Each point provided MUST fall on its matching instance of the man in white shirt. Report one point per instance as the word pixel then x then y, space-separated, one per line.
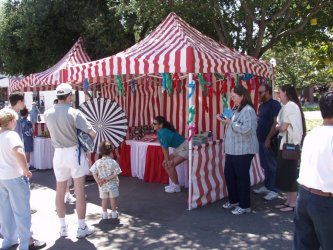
pixel 314 209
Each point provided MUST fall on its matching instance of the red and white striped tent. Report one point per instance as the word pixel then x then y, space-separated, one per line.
pixel 177 48
pixel 174 47
pixel 15 83
pixel 50 78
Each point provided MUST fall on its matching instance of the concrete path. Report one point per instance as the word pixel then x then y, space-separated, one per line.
pixel 153 219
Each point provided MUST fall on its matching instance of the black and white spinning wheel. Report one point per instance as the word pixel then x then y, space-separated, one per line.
pixel 107 118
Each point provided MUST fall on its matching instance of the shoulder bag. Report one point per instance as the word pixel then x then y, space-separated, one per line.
pixel 290 151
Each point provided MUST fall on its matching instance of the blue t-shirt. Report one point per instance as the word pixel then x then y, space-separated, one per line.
pixel 169 139
pixel 266 113
pixel 27 128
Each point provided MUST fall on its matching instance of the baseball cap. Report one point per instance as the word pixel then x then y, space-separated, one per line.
pixel 64 89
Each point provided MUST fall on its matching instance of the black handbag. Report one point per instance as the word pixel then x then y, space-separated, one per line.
pixel 291 151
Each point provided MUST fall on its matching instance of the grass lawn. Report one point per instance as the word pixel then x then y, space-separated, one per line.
pixel 310 108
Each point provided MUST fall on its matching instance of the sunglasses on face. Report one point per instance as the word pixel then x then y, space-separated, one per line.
pixel 155 123
pixel 260 92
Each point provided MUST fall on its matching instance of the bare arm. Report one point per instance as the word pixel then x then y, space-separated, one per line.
pixel 22 161
pixel 109 178
pixel 283 127
pixel 98 180
pixel 92 133
pixel 271 133
pixel 166 156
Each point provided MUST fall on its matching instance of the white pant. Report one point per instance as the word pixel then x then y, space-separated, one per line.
pixel 66 163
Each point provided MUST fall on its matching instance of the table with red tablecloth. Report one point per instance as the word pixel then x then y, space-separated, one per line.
pixel 144 161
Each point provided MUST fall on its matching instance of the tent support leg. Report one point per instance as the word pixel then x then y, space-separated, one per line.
pixel 190 102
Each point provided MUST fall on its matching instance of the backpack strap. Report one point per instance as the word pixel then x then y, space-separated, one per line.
pixel 80 146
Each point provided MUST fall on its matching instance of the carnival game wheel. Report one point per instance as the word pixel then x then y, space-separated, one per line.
pixel 107 118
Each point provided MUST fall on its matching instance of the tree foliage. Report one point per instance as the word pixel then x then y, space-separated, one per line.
pixel 250 26
pixel 302 65
pixel 35 34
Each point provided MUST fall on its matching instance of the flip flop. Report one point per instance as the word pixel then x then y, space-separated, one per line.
pixel 281 206
pixel 287 209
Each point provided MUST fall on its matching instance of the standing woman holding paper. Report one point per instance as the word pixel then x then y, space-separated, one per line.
pixel 240 145
pixel 291 127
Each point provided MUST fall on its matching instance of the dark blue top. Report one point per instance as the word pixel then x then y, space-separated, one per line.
pixel 169 139
pixel 266 113
pixel 27 128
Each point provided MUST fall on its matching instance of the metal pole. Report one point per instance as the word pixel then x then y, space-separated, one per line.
pixel 190 102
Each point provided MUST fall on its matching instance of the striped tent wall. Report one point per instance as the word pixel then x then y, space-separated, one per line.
pixel 209 184
pixel 148 101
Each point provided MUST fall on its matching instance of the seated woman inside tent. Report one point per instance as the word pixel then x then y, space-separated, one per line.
pixel 170 138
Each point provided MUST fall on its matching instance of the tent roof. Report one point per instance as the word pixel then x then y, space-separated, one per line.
pixel 50 78
pixel 173 47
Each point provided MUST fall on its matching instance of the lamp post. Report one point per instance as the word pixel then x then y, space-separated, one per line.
pixel 273 62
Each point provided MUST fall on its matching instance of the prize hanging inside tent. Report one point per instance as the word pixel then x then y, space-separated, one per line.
pixel 108 120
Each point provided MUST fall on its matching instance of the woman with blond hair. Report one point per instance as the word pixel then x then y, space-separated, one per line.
pixel 15 216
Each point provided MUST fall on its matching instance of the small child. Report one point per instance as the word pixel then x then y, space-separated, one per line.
pixel 28 132
pixel 105 172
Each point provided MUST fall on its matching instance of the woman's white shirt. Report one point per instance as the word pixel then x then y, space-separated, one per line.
pixel 291 114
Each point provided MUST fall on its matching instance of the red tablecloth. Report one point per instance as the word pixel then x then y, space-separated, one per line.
pixel 154 172
pixel 125 159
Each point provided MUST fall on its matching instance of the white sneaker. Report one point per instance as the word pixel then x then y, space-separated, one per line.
pixel 229 205
pixel 167 187
pixel 271 195
pixel 104 215
pixel 173 189
pixel 63 231
pixel 262 190
pixel 69 198
pixel 114 215
pixel 83 232
pixel 239 210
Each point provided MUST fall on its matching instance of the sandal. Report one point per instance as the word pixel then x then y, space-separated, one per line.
pixel 281 206
pixel 287 209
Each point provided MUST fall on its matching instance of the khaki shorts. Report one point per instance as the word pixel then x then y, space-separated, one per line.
pixel 111 194
pixel 182 150
pixel 66 163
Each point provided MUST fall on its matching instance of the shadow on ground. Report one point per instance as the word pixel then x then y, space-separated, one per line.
pixel 152 219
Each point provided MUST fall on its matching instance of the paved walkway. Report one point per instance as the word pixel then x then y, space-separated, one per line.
pixel 153 219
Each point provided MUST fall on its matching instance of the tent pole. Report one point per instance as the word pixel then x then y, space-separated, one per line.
pixel 190 102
